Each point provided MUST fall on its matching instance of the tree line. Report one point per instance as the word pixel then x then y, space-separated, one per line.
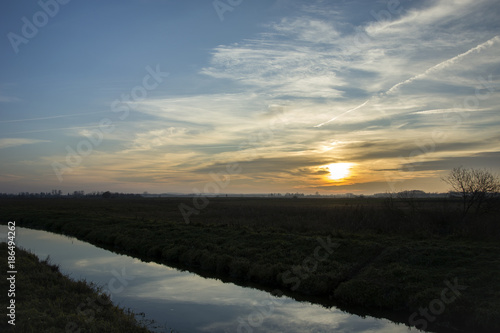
pixel 74 194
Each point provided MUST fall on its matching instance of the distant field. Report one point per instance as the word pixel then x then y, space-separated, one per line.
pixel 374 254
pixel 410 218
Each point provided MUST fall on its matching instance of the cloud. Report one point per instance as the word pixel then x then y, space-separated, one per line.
pixel 272 165
pixel 286 61
pixel 305 29
pixel 5 178
pixel 488 160
pixel 287 73
pixel 14 142
pixel 446 63
pixel 160 137
pixel 435 13
pixel 8 99
pixel 312 89
pixel 294 60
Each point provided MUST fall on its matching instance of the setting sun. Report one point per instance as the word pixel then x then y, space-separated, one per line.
pixel 339 170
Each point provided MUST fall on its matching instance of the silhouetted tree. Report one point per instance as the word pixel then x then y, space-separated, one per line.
pixel 478 188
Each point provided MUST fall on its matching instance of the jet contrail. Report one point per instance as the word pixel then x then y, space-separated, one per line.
pixel 51 117
pixel 340 115
pixel 430 70
pixel 445 63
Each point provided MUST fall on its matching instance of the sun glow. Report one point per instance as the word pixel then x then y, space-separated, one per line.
pixel 339 170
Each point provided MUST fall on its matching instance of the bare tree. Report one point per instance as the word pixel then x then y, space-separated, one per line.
pixel 477 187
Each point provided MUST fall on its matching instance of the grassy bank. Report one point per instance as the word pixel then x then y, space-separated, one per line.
pixel 48 301
pixel 377 255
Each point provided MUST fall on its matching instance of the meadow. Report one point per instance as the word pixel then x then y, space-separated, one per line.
pixel 365 255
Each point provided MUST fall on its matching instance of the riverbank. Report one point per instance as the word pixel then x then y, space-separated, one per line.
pixel 48 301
pixel 353 253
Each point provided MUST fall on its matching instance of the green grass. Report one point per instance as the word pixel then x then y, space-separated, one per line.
pixel 390 257
pixel 48 301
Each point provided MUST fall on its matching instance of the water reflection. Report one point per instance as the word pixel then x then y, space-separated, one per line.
pixel 188 302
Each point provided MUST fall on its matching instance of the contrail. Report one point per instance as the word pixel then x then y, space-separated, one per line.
pixel 445 63
pixel 439 66
pixel 52 117
pixel 340 115
pixel 53 129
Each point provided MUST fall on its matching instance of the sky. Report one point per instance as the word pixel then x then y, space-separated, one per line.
pixel 240 96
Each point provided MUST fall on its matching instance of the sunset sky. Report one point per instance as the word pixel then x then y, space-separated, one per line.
pixel 251 96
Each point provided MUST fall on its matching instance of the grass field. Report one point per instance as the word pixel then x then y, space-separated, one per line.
pixel 399 257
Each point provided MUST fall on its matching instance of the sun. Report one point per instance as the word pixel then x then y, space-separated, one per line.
pixel 339 170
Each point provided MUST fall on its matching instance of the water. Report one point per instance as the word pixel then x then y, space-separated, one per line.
pixel 185 301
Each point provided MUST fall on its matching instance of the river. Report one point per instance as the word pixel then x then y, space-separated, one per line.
pixel 187 302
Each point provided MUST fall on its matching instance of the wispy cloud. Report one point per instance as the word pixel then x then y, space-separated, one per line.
pixel 8 99
pixel 389 51
pixel 446 63
pixel 342 87
pixel 310 79
pixel 14 142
